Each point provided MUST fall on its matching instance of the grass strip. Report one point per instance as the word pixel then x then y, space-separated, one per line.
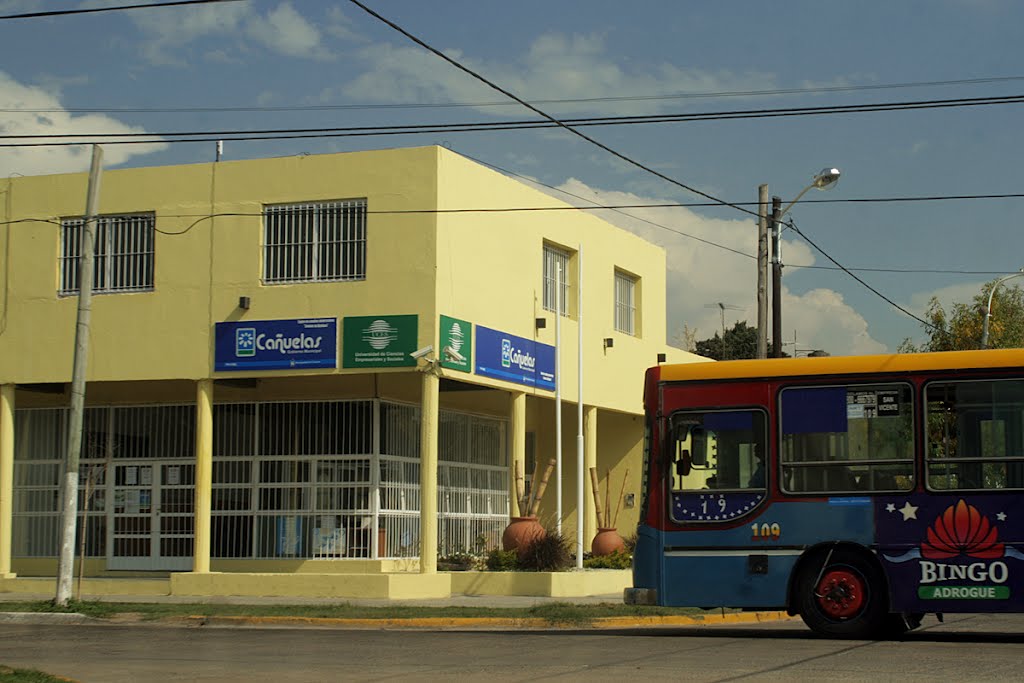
pixel 554 613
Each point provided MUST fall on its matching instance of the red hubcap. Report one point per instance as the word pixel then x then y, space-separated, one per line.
pixel 841 593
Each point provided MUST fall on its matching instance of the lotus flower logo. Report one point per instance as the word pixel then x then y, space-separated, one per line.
pixel 962 530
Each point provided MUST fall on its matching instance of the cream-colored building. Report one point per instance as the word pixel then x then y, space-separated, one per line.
pixel 254 406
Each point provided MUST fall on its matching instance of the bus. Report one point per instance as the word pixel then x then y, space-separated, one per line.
pixel 860 492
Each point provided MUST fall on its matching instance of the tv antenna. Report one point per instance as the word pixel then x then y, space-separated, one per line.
pixel 723 307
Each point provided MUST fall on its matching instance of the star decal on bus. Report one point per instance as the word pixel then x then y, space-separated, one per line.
pixel 961 530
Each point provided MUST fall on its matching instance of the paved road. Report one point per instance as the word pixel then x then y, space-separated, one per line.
pixel 965 648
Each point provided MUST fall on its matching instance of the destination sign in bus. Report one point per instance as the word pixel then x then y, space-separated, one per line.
pixel 859 492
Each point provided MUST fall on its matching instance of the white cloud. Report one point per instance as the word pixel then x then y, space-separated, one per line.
pixel 49 117
pixel 285 31
pixel 700 275
pixel 282 30
pixel 963 292
pixel 555 66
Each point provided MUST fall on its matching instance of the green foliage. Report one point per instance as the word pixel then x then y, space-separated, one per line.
pixel 961 327
pixel 738 342
pixel 550 553
pixel 502 560
pixel 617 560
pixel 460 562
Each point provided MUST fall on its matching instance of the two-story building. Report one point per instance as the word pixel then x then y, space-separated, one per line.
pixel 328 365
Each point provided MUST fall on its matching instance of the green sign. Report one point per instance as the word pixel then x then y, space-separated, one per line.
pixel 456 344
pixel 379 341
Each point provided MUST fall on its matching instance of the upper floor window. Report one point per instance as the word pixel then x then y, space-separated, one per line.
pixel 625 303
pixel 319 242
pixel 556 280
pixel 123 252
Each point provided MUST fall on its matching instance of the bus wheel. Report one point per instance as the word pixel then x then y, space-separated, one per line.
pixel 844 599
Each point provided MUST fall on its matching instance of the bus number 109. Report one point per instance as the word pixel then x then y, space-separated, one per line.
pixel 766 532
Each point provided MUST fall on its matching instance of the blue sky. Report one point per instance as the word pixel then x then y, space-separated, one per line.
pixel 295 59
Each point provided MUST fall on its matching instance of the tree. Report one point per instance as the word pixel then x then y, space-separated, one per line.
pixel 961 327
pixel 738 342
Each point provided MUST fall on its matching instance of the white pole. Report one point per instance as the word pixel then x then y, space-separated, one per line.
pixel 558 397
pixel 580 511
pixel 76 412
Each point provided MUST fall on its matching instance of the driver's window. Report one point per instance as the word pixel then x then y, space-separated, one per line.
pixel 720 450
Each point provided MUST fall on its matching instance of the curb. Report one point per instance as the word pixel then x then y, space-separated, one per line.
pixel 486 622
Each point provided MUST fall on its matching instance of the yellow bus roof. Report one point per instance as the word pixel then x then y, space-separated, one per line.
pixel 843 365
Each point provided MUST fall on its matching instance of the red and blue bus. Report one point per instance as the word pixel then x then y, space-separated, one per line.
pixel 859 492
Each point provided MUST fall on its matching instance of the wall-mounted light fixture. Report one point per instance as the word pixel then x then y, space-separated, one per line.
pixel 243 303
pixel 541 323
pixel 662 357
pixel 609 342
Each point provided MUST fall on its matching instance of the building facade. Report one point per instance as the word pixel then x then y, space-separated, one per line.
pixel 332 363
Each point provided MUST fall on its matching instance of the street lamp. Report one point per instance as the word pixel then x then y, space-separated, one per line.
pixel 988 308
pixel 822 181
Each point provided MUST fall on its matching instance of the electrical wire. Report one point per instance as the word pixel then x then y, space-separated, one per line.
pixel 481 105
pixel 535 110
pixel 75 139
pixel 792 224
pixel 118 8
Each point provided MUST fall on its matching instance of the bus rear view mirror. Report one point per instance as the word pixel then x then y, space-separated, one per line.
pixel 698 447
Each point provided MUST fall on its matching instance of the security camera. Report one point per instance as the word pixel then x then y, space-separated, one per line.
pixel 451 354
pixel 420 353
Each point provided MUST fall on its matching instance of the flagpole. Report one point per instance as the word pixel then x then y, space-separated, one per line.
pixel 580 508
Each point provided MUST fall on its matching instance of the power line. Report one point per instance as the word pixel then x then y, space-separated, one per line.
pixel 797 230
pixel 202 217
pixel 480 105
pixel 539 112
pixel 66 139
pixel 64 12
pixel 616 209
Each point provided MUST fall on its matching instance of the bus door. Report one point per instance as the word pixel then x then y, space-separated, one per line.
pixel 718 486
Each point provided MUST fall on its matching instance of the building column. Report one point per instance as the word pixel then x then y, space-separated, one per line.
pixel 6 477
pixel 428 472
pixel 204 476
pixel 517 425
pixel 589 460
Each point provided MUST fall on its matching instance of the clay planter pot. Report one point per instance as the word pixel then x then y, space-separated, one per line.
pixel 607 542
pixel 520 533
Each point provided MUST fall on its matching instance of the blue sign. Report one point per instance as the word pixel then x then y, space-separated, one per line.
pixel 514 359
pixel 276 344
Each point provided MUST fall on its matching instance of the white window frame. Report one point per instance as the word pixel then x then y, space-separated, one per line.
pixel 124 251
pixel 625 302
pixel 553 257
pixel 331 247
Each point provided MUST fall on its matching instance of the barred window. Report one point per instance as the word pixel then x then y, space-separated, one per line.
pixel 123 250
pixel 556 269
pixel 321 242
pixel 625 303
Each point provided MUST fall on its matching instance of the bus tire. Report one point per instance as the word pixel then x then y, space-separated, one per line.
pixel 844 599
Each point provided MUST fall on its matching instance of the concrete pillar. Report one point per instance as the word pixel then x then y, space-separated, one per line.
pixel 517 426
pixel 428 473
pixel 589 460
pixel 204 475
pixel 6 477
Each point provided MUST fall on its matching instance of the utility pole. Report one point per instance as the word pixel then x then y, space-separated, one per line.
pixel 776 278
pixel 65 565
pixel 762 271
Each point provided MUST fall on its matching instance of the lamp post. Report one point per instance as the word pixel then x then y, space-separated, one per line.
pixel 988 308
pixel 823 180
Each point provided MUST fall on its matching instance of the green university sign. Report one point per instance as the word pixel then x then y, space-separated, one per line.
pixel 379 341
pixel 456 344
